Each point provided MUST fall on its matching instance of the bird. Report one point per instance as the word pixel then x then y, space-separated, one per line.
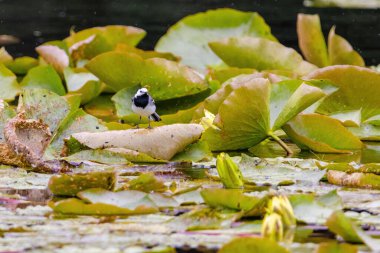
pixel 144 106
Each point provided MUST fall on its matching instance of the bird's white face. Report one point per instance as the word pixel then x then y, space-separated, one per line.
pixel 141 91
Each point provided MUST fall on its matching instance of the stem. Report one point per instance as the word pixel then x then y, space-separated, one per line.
pixel 289 151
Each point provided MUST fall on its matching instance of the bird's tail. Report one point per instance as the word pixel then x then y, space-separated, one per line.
pixel 155 117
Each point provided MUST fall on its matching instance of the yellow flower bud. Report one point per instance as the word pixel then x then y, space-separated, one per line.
pixel 282 206
pixel 272 227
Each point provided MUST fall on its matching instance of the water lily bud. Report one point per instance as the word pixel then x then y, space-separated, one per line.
pixel 229 172
pixel 282 206
pixel 272 227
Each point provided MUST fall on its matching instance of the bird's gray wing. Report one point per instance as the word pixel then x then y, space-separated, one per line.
pixel 151 101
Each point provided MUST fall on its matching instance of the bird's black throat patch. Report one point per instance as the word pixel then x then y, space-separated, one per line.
pixel 141 101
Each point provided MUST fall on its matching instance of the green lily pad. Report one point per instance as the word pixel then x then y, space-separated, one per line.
pixel 22 65
pixel 136 202
pixel 71 184
pixel 145 54
pixel 311 40
pixel 231 198
pixel 163 78
pixel 44 77
pixel 9 86
pixel 97 40
pixel 102 107
pixel 321 134
pixel 223 74
pixel 195 152
pixel 80 81
pixel 260 54
pixel 79 121
pixel 252 245
pixel 189 37
pixel 358 90
pixel 341 52
pixel 334 247
pixel 276 173
pixel 147 182
pixel 246 115
pixel 315 210
pixel 341 225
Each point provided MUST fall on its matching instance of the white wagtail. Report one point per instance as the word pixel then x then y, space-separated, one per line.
pixel 143 105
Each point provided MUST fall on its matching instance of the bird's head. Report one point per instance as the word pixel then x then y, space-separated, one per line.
pixel 141 92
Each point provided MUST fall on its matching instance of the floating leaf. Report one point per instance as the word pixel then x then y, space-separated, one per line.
pixel 44 77
pixel 103 202
pixel 361 180
pixel 321 134
pixel 278 173
pixel 97 40
pixel 195 152
pixel 334 247
pixel 341 225
pixel 55 56
pixel 160 142
pixel 246 116
pixel 102 107
pixel 145 54
pixel 80 81
pixel 189 37
pixel 316 210
pixel 341 52
pixel 348 118
pixel 358 90
pixel 22 65
pixel 366 132
pixel 260 54
pixel 163 78
pixel 8 83
pixel 71 184
pixel 147 182
pixel 252 245
pixel 311 40
pixel 231 198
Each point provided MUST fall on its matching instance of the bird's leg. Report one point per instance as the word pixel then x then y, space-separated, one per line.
pixel 149 127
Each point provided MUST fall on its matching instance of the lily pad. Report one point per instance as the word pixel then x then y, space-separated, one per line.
pixel 315 210
pixel 189 37
pixel 97 40
pixel 341 225
pixel 358 90
pixel 321 134
pixel 80 81
pixel 71 184
pixel 245 114
pixel 334 247
pixel 252 245
pixel 5 57
pixel 164 79
pixel 147 182
pixel 55 56
pixel 260 54
pixel 44 77
pixel 22 65
pixel 195 152
pixel 9 84
pixel 145 54
pixel 341 52
pixel 160 142
pixel 232 198
pixel 361 180
pixel 311 40
pixel 102 107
